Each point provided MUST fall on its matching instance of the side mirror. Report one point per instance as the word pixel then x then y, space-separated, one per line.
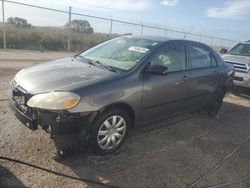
pixel 157 69
pixel 223 51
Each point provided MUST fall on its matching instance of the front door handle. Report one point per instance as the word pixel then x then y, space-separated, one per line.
pixel 215 72
pixel 184 79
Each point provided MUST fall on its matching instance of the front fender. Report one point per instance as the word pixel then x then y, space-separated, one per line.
pixel 98 96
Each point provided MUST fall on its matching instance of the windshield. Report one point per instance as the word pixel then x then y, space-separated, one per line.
pixel 240 49
pixel 120 53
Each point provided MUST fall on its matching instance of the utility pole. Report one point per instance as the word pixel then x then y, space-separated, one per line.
pixel 69 29
pixel 4 36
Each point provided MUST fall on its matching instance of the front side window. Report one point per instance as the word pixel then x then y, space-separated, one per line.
pixel 240 49
pixel 172 57
pixel 122 53
pixel 200 57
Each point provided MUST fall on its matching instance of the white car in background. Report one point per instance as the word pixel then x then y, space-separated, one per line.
pixel 239 56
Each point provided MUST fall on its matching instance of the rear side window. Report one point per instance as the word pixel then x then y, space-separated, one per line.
pixel 200 57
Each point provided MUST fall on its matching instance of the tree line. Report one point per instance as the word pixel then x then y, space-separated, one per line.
pixel 20 34
pixel 80 26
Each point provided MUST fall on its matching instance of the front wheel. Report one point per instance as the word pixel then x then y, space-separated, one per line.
pixel 109 131
pixel 215 103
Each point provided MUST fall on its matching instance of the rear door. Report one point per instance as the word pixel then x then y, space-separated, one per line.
pixel 203 75
pixel 165 95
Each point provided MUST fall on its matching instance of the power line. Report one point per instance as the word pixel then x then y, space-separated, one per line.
pixel 58 173
pixel 219 163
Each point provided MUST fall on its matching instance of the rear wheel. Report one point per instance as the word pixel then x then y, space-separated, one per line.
pixel 109 131
pixel 215 103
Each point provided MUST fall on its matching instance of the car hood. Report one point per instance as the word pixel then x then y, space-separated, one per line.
pixel 61 74
pixel 236 58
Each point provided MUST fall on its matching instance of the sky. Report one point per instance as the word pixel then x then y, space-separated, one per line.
pixel 221 18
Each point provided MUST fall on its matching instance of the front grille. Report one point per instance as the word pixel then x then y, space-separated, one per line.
pixel 21 97
pixel 240 67
pixel 238 78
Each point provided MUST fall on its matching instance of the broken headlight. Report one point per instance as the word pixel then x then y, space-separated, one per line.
pixel 54 100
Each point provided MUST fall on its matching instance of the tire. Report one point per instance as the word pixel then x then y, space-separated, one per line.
pixel 109 131
pixel 215 103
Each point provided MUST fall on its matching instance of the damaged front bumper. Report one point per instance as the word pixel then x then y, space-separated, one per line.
pixel 53 122
pixel 22 115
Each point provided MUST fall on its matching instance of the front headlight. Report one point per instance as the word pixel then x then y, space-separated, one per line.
pixel 231 73
pixel 54 100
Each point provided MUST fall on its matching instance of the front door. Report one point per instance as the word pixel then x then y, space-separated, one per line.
pixel 166 95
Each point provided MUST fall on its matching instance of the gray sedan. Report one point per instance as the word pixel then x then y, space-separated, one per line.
pixel 127 82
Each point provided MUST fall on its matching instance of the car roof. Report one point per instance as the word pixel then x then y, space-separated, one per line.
pixel 246 42
pixel 149 37
pixel 160 39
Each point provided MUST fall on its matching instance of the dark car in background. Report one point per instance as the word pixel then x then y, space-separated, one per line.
pixel 239 57
pixel 121 84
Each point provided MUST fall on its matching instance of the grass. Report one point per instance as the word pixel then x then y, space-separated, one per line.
pixel 53 39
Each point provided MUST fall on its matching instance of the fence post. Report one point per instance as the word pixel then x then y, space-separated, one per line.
pixel 69 29
pixel 166 31
pixel 111 25
pixel 141 28
pixel 4 36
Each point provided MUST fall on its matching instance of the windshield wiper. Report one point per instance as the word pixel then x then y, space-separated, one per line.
pixel 86 60
pixel 99 64
pixel 111 68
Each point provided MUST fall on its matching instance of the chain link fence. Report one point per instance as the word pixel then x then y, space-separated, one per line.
pixel 63 38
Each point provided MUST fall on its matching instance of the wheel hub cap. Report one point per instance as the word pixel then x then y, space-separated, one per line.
pixel 111 132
